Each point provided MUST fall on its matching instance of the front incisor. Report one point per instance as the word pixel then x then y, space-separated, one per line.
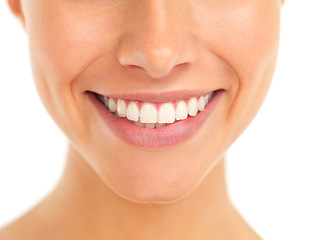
pixel 148 113
pixel 166 113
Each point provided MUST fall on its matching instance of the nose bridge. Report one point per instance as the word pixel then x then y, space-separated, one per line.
pixel 156 13
pixel 154 41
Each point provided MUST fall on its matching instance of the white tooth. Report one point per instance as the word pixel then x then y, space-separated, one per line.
pixel 166 113
pixel 148 113
pixel 193 106
pixel 208 97
pixel 181 110
pixel 159 125
pixel 112 105
pixel 133 111
pixel 138 124
pixel 201 103
pixel 121 108
pixel 150 125
pixel 106 101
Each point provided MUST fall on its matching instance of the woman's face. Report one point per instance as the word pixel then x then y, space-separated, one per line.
pixel 157 52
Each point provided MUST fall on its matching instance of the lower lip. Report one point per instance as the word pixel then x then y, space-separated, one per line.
pixel 156 138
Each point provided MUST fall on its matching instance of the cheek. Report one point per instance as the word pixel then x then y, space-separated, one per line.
pixel 254 59
pixel 64 40
pixel 253 42
pixel 247 39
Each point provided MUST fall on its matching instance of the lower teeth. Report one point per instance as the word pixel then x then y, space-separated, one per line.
pixel 147 125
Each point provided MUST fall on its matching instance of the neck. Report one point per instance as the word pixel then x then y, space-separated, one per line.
pixel 87 204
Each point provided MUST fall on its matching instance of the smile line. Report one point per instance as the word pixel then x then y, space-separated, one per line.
pixel 155 115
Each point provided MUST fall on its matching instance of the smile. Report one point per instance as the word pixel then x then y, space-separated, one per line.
pixel 155 115
pixel 152 121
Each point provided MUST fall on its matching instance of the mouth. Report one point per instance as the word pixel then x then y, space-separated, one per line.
pixel 155 115
pixel 151 121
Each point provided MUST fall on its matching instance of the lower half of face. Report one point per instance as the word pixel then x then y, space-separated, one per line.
pixel 152 94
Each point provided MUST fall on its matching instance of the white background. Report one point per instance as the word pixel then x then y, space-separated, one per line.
pixel 273 169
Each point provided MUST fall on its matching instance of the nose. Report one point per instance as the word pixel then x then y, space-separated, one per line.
pixel 156 40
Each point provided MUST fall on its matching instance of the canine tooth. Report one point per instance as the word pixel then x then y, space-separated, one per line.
pixel 112 105
pixel 133 111
pixel 201 103
pixel 159 125
pixel 148 113
pixel 138 124
pixel 166 113
pixel 181 110
pixel 106 101
pixel 150 125
pixel 193 106
pixel 121 108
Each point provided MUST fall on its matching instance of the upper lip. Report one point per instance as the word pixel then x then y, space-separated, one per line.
pixel 158 97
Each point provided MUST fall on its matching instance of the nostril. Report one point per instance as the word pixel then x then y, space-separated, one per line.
pixel 136 69
pixel 156 65
pixel 154 73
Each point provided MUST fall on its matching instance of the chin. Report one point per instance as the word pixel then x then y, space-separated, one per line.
pixel 156 190
pixel 156 196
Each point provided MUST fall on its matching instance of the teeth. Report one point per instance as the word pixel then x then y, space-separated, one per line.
pixel 112 105
pixel 166 113
pixel 201 103
pixel 148 113
pixel 133 111
pixel 149 117
pixel 121 108
pixel 193 106
pixel 150 125
pixel 181 110
pixel 138 124
pixel 208 97
pixel 106 101
pixel 159 125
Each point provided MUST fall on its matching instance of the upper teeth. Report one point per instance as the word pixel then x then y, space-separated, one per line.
pixel 149 116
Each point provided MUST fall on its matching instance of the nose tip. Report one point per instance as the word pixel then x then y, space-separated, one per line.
pixel 157 62
pixel 156 42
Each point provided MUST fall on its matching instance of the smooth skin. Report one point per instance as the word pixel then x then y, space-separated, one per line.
pixel 111 189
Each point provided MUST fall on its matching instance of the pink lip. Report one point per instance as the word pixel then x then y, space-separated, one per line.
pixel 163 137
